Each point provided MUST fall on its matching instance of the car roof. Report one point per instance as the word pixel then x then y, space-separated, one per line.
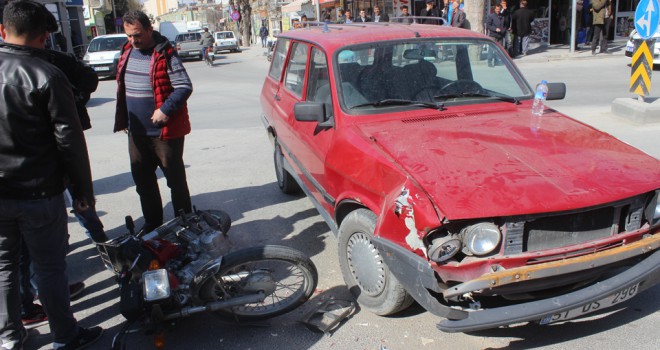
pixel 339 35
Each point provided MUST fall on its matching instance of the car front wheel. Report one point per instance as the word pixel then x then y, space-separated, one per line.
pixel 367 277
pixel 285 181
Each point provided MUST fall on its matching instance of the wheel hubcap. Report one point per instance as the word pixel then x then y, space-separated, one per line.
pixel 366 264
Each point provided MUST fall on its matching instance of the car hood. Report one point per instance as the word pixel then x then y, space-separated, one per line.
pixel 497 164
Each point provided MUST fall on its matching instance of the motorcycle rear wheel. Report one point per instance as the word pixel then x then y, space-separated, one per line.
pixel 288 276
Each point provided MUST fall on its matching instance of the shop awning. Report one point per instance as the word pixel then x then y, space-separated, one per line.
pixel 294 6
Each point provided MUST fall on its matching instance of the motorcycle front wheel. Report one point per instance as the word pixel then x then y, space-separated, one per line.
pixel 287 276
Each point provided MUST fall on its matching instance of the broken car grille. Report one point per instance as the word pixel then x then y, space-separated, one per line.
pixel 564 229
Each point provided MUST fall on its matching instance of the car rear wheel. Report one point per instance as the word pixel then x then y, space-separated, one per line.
pixel 367 277
pixel 285 181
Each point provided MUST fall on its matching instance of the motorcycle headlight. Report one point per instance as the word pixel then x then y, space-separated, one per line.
pixel 156 285
pixel 481 239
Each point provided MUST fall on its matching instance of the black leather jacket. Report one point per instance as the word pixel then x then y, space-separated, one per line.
pixel 42 145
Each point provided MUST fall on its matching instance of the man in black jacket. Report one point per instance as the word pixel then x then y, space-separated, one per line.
pixel 430 11
pixel 496 30
pixel 41 148
pixel 522 27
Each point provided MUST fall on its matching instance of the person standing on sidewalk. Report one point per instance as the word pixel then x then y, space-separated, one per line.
pixel 263 33
pixel 522 20
pixel 598 9
pixel 458 16
pixel 154 112
pixel 495 26
pixel 41 148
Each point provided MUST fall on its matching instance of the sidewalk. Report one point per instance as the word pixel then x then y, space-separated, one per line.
pixel 557 52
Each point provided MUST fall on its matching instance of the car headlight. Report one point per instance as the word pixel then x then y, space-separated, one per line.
pixel 652 211
pixel 156 285
pixel 86 58
pixel 481 239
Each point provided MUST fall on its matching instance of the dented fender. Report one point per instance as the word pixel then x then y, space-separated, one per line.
pixel 407 217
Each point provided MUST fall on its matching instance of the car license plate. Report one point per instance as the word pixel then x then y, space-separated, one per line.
pixel 194 53
pixel 618 297
pixel 630 48
pixel 101 69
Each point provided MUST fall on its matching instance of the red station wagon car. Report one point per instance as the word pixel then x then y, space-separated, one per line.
pixel 443 188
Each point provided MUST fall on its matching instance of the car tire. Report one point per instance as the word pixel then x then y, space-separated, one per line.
pixel 367 277
pixel 285 181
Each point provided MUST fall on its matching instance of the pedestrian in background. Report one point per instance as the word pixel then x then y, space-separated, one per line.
pixel 458 16
pixel 263 33
pixel 522 20
pixel 42 147
pixel 405 13
pixel 154 112
pixel 495 26
pixel 363 18
pixel 380 17
pixel 431 12
pixel 598 7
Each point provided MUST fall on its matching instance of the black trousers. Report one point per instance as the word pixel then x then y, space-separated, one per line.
pixel 148 153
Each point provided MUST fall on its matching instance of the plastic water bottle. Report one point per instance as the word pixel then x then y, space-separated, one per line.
pixel 539 98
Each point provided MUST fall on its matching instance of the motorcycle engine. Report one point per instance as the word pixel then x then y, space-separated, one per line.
pixel 202 239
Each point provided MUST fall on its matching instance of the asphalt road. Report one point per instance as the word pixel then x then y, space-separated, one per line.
pixel 229 166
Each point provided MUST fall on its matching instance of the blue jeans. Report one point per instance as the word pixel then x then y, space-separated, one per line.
pixel 42 224
pixel 90 221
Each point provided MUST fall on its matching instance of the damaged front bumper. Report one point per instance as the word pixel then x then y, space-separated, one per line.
pixel 417 275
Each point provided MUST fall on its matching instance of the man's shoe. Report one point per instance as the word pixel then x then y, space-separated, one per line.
pixel 34 318
pixel 15 344
pixel 85 338
pixel 75 289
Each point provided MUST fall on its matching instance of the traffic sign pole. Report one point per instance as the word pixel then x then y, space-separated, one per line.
pixel 647 19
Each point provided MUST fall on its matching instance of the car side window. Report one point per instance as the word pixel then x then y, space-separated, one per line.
pixel 279 56
pixel 295 71
pixel 318 83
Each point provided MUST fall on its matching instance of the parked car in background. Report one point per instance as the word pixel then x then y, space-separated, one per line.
pixel 103 54
pixel 630 45
pixel 225 41
pixel 187 45
pixel 442 186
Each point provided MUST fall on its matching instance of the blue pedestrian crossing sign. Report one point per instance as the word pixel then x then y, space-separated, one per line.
pixel 647 18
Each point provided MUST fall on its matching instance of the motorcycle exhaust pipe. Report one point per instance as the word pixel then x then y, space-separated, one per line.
pixel 217 305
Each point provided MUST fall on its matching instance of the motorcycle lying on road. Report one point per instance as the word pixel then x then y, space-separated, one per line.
pixel 186 267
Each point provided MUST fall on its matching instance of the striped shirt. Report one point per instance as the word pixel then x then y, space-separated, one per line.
pixel 140 94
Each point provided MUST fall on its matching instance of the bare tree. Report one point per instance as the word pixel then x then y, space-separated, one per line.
pixel 244 24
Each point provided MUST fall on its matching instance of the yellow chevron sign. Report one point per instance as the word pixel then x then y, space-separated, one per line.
pixel 642 67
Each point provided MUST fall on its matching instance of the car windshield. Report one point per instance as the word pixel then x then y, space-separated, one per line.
pixel 224 35
pixel 106 44
pixel 441 72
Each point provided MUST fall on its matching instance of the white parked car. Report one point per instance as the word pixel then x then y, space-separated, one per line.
pixel 225 41
pixel 103 54
pixel 630 46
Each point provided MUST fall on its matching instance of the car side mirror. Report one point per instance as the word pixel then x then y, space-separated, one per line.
pixel 556 91
pixel 310 112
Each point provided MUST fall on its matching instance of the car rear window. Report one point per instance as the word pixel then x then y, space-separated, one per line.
pixel 106 44
pixel 224 35
pixel 188 37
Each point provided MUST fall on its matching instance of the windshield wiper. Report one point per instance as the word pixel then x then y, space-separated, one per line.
pixel 476 94
pixel 402 102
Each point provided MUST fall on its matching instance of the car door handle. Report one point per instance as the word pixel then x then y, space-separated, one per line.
pixel 277 97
